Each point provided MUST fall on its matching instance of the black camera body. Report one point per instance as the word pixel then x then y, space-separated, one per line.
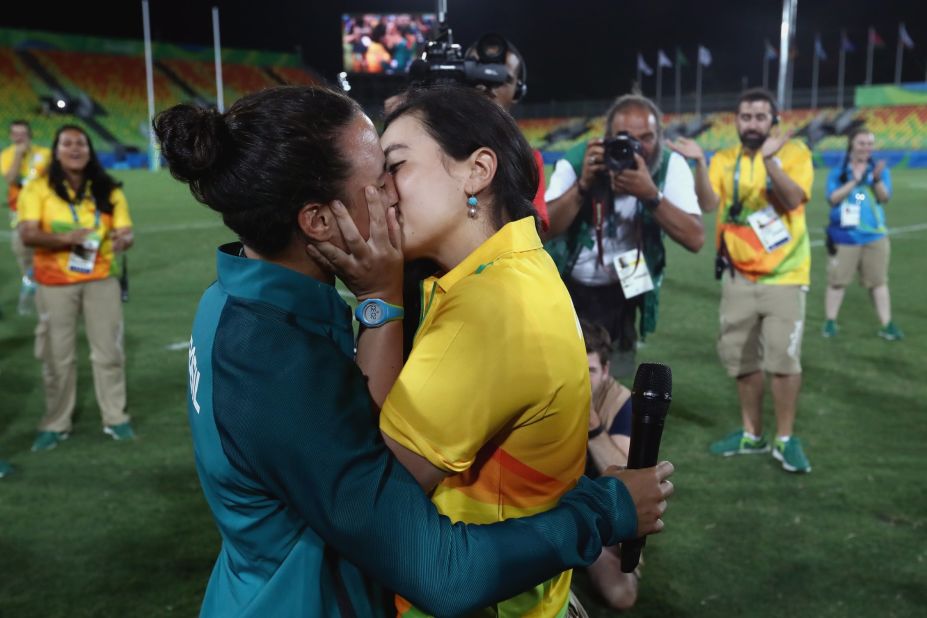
pixel 620 150
pixel 444 62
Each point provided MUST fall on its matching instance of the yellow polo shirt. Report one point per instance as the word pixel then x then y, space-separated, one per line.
pixel 34 164
pixel 496 392
pixel 789 264
pixel 39 202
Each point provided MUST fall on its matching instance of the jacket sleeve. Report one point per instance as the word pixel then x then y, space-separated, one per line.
pixel 305 429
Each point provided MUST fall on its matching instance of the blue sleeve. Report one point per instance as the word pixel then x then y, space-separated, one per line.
pixel 887 180
pixel 833 181
pixel 621 425
pixel 305 428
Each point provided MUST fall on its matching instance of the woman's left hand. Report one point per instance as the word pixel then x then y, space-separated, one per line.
pixel 370 268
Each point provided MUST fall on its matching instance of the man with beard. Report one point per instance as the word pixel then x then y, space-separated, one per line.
pixel 611 225
pixel 760 189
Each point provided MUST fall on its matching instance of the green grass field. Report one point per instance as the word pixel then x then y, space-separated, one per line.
pixel 99 528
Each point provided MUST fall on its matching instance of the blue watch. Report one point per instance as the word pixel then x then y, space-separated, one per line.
pixel 374 312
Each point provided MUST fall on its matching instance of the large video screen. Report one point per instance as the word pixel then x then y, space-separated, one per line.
pixel 384 44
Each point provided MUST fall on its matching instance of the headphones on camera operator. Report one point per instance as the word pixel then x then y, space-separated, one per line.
pixel 493 48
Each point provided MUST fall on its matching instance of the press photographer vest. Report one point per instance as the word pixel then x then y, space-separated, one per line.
pixel 565 249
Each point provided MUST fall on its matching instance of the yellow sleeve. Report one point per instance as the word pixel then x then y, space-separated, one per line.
pixel 456 391
pixel 29 203
pixel 797 164
pixel 120 209
pixel 41 168
pixel 715 174
pixel 6 160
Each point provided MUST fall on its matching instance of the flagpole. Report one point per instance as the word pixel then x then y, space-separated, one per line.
pixel 869 51
pixel 698 84
pixel 766 65
pixel 220 102
pixel 815 71
pixel 899 57
pixel 154 160
pixel 678 83
pixel 786 31
pixel 659 82
pixel 841 69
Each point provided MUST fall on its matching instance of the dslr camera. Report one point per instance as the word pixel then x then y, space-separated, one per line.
pixel 620 150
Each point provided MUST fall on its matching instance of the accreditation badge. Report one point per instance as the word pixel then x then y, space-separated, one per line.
pixel 769 228
pixel 84 255
pixel 633 273
pixel 850 210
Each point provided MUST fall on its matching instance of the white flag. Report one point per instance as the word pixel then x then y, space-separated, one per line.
pixel 704 56
pixel 906 39
pixel 642 66
pixel 663 60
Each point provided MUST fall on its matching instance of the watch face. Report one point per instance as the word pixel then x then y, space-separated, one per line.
pixel 372 313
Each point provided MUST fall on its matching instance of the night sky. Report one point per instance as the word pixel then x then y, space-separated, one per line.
pixel 576 49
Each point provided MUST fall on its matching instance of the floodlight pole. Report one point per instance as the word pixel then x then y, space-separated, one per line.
pixel 220 102
pixel 154 158
pixel 786 34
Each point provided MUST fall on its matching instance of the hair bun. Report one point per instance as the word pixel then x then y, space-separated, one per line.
pixel 192 140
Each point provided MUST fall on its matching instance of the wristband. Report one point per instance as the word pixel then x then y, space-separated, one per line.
pixel 596 432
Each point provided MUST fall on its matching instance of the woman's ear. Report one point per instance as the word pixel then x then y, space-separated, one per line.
pixel 483 165
pixel 317 222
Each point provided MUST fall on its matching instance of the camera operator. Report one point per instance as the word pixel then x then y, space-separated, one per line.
pixel 760 189
pixel 610 201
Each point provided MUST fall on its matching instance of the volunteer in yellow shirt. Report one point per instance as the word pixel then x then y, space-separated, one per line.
pixel 77 220
pixel 492 405
pixel 20 162
pixel 760 189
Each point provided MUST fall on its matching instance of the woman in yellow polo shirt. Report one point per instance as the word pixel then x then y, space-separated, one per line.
pixel 491 408
pixel 77 220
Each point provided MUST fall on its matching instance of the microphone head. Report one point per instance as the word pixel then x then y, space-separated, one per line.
pixel 654 381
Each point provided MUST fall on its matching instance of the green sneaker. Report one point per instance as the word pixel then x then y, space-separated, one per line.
pixel 120 432
pixel 890 332
pixel 738 443
pixel 830 329
pixel 791 455
pixel 5 469
pixel 47 440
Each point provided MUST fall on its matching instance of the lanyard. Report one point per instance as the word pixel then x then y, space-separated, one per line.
pixel 740 153
pixel 96 216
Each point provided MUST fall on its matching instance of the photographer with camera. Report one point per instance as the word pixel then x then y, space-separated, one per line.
pixel 760 189
pixel 610 203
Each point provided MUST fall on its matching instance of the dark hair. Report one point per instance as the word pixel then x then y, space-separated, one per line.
pixel 463 120
pixel 597 339
pixel 845 167
pixel 101 183
pixel 758 94
pixel 19 122
pixel 259 163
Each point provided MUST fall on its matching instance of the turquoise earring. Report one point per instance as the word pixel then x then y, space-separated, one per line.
pixel 471 206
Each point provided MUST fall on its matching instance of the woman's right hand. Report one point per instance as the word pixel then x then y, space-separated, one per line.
pixel 370 268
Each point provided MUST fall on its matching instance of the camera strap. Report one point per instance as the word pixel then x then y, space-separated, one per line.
pixel 598 220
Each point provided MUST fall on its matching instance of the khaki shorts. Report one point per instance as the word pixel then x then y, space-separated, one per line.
pixel 761 326
pixel 870 261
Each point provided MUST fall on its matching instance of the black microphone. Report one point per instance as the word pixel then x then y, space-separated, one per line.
pixel 650 400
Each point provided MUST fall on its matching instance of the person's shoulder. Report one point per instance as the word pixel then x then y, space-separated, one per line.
pixel 795 148
pixel 37 187
pixel 677 163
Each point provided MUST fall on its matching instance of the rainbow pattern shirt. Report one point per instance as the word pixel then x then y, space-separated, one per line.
pixel 787 264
